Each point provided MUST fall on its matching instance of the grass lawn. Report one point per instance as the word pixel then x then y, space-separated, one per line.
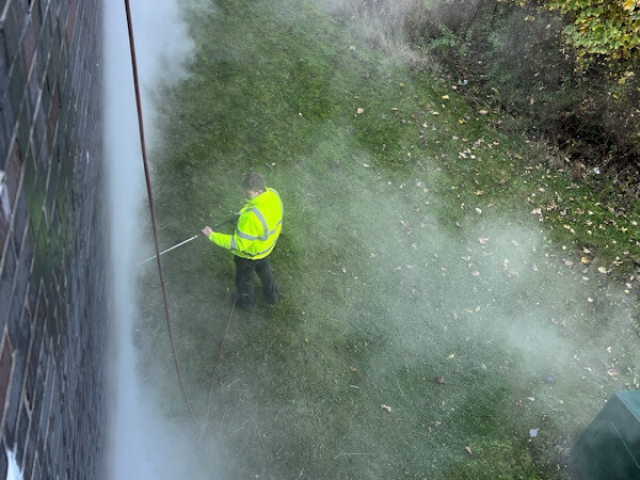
pixel 453 305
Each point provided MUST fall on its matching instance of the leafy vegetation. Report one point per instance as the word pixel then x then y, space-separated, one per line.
pixel 600 29
pixel 557 79
pixel 435 268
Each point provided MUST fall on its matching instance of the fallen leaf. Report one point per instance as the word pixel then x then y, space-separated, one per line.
pixel 469 451
pixel 386 408
pixel 440 379
pixel 360 111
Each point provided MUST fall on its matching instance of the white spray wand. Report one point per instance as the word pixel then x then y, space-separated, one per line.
pixel 169 249
pixel 228 220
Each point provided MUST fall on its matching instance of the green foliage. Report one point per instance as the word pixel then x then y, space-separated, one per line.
pixel 601 31
pixel 610 29
pixel 514 55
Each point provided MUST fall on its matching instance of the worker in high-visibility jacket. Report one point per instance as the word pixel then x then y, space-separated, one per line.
pixel 257 231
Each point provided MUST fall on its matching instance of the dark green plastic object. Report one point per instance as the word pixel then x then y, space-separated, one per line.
pixel 609 449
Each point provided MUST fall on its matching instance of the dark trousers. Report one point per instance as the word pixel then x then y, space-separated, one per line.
pixel 245 269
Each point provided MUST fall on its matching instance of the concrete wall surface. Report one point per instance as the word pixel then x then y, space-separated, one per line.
pixel 53 266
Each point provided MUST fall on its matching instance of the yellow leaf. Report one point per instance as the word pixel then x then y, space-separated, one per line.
pixel 585 260
pixel 445 97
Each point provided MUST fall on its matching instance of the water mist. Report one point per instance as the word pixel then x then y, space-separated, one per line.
pixel 143 445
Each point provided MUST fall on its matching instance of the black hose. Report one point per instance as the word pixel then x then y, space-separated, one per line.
pixel 152 205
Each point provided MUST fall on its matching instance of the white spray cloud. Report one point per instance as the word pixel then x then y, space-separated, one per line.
pixel 143 444
pixel 13 471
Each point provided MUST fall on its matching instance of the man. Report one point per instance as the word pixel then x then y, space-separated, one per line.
pixel 256 233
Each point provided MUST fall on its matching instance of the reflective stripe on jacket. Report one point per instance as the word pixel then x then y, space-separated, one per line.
pixel 258 227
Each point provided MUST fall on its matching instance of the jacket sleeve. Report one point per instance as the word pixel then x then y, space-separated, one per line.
pixel 221 239
pixel 242 241
pixel 248 231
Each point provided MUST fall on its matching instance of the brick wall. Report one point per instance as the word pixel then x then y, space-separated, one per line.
pixel 53 301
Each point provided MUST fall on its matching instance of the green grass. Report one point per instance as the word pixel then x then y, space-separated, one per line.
pixel 412 250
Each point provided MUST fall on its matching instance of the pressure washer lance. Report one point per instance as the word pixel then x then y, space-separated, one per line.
pixel 217 225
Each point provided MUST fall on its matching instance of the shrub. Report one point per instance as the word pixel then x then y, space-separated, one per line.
pixel 515 56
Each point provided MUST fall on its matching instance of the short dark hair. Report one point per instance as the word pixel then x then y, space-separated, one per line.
pixel 254 181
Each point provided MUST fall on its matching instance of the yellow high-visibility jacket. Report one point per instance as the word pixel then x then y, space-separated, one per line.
pixel 258 227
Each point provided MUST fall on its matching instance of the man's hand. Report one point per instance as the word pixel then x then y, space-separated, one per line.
pixel 207 231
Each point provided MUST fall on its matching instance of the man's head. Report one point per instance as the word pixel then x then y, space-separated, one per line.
pixel 253 184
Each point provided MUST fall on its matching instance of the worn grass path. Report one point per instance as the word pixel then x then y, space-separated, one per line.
pixel 434 272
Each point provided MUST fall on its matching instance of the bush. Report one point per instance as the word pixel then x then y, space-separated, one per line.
pixel 515 57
